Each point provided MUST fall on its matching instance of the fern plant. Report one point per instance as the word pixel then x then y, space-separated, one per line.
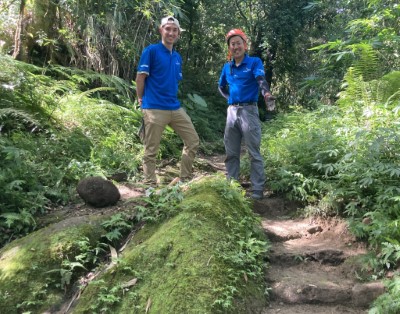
pixel 10 118
pixel 388 302
pixel 56 130
pixel 366 61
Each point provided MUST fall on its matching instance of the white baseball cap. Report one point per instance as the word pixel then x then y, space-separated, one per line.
pixel 170 20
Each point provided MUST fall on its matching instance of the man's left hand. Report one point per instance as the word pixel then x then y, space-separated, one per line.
pixel 269 101
pixel 268 96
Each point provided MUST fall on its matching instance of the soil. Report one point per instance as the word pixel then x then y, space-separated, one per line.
pixel 314 263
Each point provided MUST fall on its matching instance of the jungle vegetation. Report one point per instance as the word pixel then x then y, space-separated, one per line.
pixel 67 104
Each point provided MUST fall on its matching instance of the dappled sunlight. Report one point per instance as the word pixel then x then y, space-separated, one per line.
pixel 10 262
pixel 284 228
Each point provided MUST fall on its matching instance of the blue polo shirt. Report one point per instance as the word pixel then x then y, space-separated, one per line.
pixel 243 86
pixel 164 70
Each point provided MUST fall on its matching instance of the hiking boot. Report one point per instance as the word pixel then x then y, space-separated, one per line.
pixel 257 195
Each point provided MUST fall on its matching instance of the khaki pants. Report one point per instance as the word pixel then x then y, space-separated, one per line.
pixel 155 123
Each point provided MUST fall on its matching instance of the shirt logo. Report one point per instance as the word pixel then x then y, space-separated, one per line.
pixel 246 70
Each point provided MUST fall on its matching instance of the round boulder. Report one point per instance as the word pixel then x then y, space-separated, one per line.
pixel 98 192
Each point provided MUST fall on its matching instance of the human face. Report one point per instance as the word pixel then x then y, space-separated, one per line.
pixel 237 47
pixel 169 34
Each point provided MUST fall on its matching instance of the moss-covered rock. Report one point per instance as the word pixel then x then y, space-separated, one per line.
pixel 208 258
pixel 200 253
pixel 37 271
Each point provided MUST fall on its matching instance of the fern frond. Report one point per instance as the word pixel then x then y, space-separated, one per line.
pixel 91 77
pixel 392 98
pixel 94 90
pixel 18 220
pixel 366 64
pixel 18 115
pixel 351 86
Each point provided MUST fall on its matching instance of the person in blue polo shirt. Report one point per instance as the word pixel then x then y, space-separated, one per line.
pixel 158 74
pixel 241 80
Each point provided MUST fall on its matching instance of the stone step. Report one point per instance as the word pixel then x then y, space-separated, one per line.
pixel 277 307
pixel 325 284
pixel 315 265
pixel 319 247
pixel 323 256
pixel 319 292
pixel 360 295
pixel 283 230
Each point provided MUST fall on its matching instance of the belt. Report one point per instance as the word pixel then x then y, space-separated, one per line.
pixel 244 104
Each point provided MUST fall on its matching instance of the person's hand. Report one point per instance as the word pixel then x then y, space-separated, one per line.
pixel 139 103
pixel 269 101
pixel 268 96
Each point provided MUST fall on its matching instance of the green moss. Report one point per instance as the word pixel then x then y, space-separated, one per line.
pixel 30 267
pixel 206 259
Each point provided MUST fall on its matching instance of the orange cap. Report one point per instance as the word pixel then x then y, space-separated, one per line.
pixel 235 32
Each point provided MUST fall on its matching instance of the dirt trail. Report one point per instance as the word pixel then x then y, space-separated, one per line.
pixel 314 264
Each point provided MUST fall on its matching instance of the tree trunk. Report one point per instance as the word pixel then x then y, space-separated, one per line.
pixel 17 54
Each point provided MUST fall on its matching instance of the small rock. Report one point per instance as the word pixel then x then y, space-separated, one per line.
pixel 98 192
pixel 314 229
pixel 327 256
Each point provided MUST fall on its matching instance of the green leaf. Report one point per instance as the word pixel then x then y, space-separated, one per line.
pixel 198 100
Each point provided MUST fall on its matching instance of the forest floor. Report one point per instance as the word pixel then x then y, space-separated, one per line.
pixel 314 264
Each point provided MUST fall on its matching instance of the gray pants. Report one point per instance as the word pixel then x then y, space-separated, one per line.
pixel 244 122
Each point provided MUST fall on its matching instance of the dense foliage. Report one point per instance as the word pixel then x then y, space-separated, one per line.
pixel 345 160
pixel 54 131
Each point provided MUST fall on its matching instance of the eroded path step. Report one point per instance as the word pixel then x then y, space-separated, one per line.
pixel 279 254
pixel 316 287
pixel 314 263
pixel 281 308
pixel 315 284
pixel 310 274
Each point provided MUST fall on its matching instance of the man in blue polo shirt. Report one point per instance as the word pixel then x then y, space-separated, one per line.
pixel 158 74
pixel 241 80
